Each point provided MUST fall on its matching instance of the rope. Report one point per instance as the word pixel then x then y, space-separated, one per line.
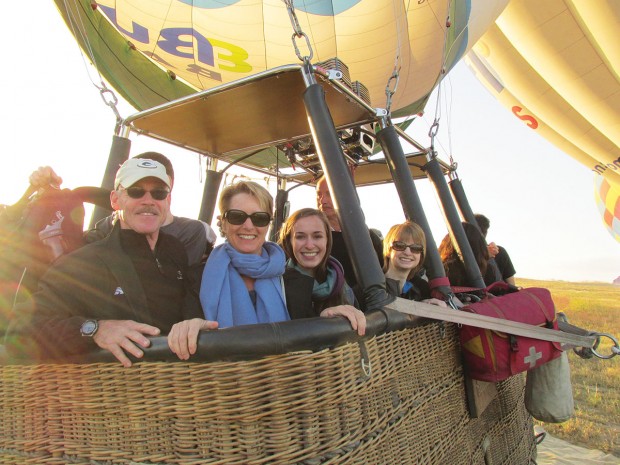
pixel 107 95
pixel 78 33
pixel 432 133
pixel 392 83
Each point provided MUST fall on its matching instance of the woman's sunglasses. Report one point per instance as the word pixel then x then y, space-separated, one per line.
pixel 136 192
pixel 400 246
pixel 238 217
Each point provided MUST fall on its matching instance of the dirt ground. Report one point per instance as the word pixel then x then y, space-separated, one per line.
pixel 554 451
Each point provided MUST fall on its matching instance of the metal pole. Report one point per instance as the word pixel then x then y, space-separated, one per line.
pixel 281 210
pixel 458 192
pixel 210 191
pixel 433 170
pixel 410 200
pixel 364 260
pixel 119 153
pixel 456 187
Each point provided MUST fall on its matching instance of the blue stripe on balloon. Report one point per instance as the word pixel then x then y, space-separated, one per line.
pixel 315 7
pixel 325 7
pixel 210 4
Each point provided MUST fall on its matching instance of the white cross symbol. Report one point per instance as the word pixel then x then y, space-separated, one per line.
pixel 531 359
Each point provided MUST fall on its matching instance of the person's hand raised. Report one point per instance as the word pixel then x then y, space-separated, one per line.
pixel 493 249
pixel 44 177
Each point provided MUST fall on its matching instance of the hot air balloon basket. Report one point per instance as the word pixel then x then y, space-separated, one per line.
pixel 495 356
pixel 405 404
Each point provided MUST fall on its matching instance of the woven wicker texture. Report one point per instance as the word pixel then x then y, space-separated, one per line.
pixel 304 408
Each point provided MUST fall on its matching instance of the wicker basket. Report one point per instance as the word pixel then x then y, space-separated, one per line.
pixel 394 398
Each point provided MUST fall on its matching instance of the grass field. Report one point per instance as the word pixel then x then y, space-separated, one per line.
pixel 596 383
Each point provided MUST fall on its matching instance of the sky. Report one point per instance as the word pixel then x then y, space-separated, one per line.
pixel 539 200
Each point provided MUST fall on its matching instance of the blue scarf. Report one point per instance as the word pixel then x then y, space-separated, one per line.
pixel 224 296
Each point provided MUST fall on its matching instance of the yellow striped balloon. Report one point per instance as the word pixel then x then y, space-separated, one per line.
pixel 152 51
pixel 555 65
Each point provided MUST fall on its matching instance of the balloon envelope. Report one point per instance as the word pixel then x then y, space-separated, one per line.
pixel 156 51
pixel 608 202
pixel 555 64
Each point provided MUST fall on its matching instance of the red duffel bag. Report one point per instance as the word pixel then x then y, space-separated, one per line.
pixel 494 356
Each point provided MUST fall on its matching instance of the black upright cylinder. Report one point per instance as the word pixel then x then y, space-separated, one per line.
pixel 119 153
pixel 355 232
pixel 279 215
pixel 454 224
pixel 461 201
pixel 209 195
pixel 409 198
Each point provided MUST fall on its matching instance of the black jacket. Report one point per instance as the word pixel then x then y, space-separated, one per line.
pixel 99 282
pixel 340 253
pixel 455 271
pixel 298 292
pixel 191 233
pixel 420 289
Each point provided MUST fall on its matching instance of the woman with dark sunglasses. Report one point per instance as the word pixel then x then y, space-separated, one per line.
pixel 314 281
pixel 242 279
pixel 404 248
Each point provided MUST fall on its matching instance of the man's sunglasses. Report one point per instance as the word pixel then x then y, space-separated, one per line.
pixel 400 246
pixel 136 192
pixel 238 217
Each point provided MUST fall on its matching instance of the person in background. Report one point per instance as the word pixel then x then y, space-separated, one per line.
pixel 497 253
pixel 454 267
pixel 314 281
pixel 197 236
pixel 339 249
pixel 242 279
pixel 404 250
pixel 114 293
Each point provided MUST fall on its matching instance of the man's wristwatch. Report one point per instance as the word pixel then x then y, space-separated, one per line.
pixel 89 328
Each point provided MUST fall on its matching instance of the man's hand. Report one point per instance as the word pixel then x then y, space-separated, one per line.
pixel 439 303
pixel 183 337
pixel 493 249
pixel 355 316
pixel 43 177
pixel 118 336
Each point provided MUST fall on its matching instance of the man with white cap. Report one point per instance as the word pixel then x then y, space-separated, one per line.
pixel 115 292
pixel 197 236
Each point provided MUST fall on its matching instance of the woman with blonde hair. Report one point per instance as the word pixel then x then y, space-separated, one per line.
pixel 404 250
pixel 242 281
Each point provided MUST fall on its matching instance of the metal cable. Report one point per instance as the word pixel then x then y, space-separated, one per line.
pixel 392 83
pixel 298 33
pixel 107 95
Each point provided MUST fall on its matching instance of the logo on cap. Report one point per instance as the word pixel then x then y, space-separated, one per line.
pixel 147 164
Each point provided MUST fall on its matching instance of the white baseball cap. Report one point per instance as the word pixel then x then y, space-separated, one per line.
pixel 135 169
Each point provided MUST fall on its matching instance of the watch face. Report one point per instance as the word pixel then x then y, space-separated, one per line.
pixel 89 327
